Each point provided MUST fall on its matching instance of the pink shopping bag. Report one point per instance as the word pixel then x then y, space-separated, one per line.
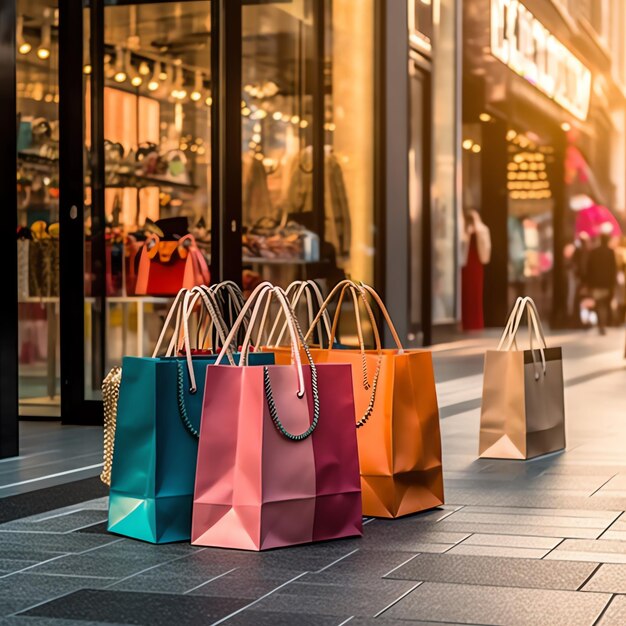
pixel 277 457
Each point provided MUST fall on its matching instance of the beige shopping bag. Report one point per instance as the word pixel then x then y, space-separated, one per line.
pixel 523 412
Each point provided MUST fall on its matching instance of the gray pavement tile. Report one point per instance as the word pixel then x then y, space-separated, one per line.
pixel 113 566
pixel 513 541
pixel 57 522
pixel 468 604
pixel 609 516
pixel 520 529
pixel 515 553
pixel 531 498
pixel 600 551
pixel 609 577
pixel 250 584
pixel 530 520
pixel 24 620
pixel 615 615
pixel 250 617
pixel 362 566
pixel 14 565
pixel 138 608
pixel 21 591
pixel 614 535
pixel 59 544
pixel 500 571
pixel 364 599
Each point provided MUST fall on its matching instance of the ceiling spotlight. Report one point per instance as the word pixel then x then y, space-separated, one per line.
pixel 209 101
pixel 23 46
pixel 566 126
pixel 136 79
pixel 179 92
pixel 43 51
pixel 120 72
pixel 87 69
pixel 153 83
pixel 144 68
pixel 196 94
pixel 484 117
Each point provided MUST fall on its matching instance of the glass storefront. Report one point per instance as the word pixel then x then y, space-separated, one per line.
pixel 38 206
pixel 307 116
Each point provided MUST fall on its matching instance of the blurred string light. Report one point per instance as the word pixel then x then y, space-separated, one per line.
pixel 154 82
pixel 136 79
pixel 120 73
pixel 43 51
pixel 23 46
pixel 196 94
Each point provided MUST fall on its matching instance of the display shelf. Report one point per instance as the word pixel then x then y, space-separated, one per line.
pixel 125 181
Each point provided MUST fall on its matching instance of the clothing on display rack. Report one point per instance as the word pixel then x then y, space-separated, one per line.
pixel 337 224
pixel 255 192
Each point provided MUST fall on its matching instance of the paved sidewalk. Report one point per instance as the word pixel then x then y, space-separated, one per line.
pixel 541 542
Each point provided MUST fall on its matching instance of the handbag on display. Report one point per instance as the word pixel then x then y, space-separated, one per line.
pixel 523 411
pixel 156 429
pixel 166 266
pixel 277 458
pixel 397 414
pixel 43 260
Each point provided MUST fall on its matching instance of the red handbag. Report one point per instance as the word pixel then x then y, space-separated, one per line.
pixel 166 267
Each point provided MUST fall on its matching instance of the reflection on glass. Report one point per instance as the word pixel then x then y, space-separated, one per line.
pixel 157 107
pixel 290 232
pixel 38 207
pixel 444 217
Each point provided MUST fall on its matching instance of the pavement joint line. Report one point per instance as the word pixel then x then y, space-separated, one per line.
pixel 206 582
pixel 345 556
pixel 64 514
pixel 42 478
pixel 604 610
pixel 104 545
pixel 447 515
pixel 602 485
pixel 593 573
pixel 73 530
pixel 606 530
pixel 401 564
pixel 269 593
pixel 345 621
pixel 34 606
pixel 404 595
pixel 25 569
pixel 147 569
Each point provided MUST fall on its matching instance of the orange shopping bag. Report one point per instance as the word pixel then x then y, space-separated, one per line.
pixel 396 411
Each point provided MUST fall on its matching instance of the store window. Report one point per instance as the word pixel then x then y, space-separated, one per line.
pixel 38 206
pixel 530 227
pixel 157 151
pixel 291 230
pixel 445 178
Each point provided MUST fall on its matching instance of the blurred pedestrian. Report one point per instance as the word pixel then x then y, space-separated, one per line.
pixel 602 276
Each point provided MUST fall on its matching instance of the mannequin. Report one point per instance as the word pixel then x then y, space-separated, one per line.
pixel 475 254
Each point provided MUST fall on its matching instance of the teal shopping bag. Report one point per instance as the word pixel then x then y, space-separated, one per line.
pixel 154 465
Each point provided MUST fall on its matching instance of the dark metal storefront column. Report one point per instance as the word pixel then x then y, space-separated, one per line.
pixel 494 212
pixel 8 164
pixel 71 218
pixel 226 229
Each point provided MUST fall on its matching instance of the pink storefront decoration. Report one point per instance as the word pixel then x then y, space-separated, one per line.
pixel 267 481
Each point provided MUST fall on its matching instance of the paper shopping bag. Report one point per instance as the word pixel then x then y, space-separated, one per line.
pixel 277 459
pixel 523 412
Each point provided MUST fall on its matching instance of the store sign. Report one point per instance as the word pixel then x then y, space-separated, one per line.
pixel 521 42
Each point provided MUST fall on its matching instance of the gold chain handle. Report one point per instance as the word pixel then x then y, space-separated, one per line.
pixel 110 396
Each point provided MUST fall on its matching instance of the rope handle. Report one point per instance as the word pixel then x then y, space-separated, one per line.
pixel 255 302
pixel 313 295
